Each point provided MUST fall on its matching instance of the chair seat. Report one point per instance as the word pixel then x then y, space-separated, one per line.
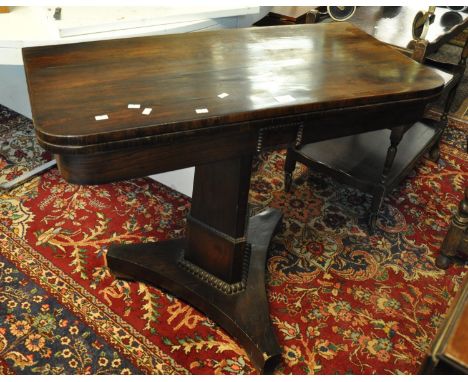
pixel 359 159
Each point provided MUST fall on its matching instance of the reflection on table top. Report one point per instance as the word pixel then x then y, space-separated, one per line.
pixel 266 72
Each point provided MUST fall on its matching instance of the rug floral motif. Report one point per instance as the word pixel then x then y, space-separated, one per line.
pixel 19 150
pixel 341 301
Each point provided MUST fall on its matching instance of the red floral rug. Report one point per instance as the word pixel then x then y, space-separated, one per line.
pixel 341 301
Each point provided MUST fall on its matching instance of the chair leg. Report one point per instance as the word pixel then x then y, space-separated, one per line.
pixel 377 200
pixel 434 152
pixel 395 138
pixel 371 223
pixel 455 235
pixel 443 262
pixel 289 166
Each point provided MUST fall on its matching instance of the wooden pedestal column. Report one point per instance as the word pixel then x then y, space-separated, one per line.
pixel 220 266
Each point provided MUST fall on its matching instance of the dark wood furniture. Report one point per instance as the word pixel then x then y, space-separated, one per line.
pixel 393 25
pixel 376 162
pixel 448 353
pixel 456 239
pixel 219 266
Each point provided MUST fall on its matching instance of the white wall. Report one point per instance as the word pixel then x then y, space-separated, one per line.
pixel 180 180
pixel 13 89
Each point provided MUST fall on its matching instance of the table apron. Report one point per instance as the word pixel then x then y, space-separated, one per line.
pixel 151 155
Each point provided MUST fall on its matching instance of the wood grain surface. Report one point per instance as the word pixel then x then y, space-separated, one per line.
pixel 313 67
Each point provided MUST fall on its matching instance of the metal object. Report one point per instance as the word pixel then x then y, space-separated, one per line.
pixel 27 175
pixel 340 13
pixel 421 23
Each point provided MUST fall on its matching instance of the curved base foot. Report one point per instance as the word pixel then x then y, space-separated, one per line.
pixel 443 262
pixel 123 276
pixel 244 314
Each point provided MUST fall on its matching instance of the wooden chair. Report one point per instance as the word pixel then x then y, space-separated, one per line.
pixel 456 239
pixel 360 160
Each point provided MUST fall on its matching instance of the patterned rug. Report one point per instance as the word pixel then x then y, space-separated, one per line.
pixel 19 153
pixel 341 301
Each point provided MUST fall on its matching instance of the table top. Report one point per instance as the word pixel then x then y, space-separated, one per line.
pixel 266 72
pixel 393 25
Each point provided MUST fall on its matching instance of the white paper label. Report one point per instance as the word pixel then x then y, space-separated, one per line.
pixel 101 117
pixel 223 95
pixel 133 105
pixel 285 98
pixel 147 111
pixel 201 111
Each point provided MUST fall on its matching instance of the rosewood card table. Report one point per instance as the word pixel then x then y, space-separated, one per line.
pixel 217 98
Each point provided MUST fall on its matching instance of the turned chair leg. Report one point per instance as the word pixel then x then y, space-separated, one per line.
pixel 434 152
pixel 455 238
pixel 371 223
pixel 377 200
pixel 379 192
pixel 289 166
pixel 455 235
pixel 443 261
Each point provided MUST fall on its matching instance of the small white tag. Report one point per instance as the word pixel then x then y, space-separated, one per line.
pixel 201 111
pixel 285 98
pixel 133 105
pixel 223 95
pixel 101 117
pixel 147 111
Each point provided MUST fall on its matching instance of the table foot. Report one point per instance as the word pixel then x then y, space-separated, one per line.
pixel 443 262
pixel 242 311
